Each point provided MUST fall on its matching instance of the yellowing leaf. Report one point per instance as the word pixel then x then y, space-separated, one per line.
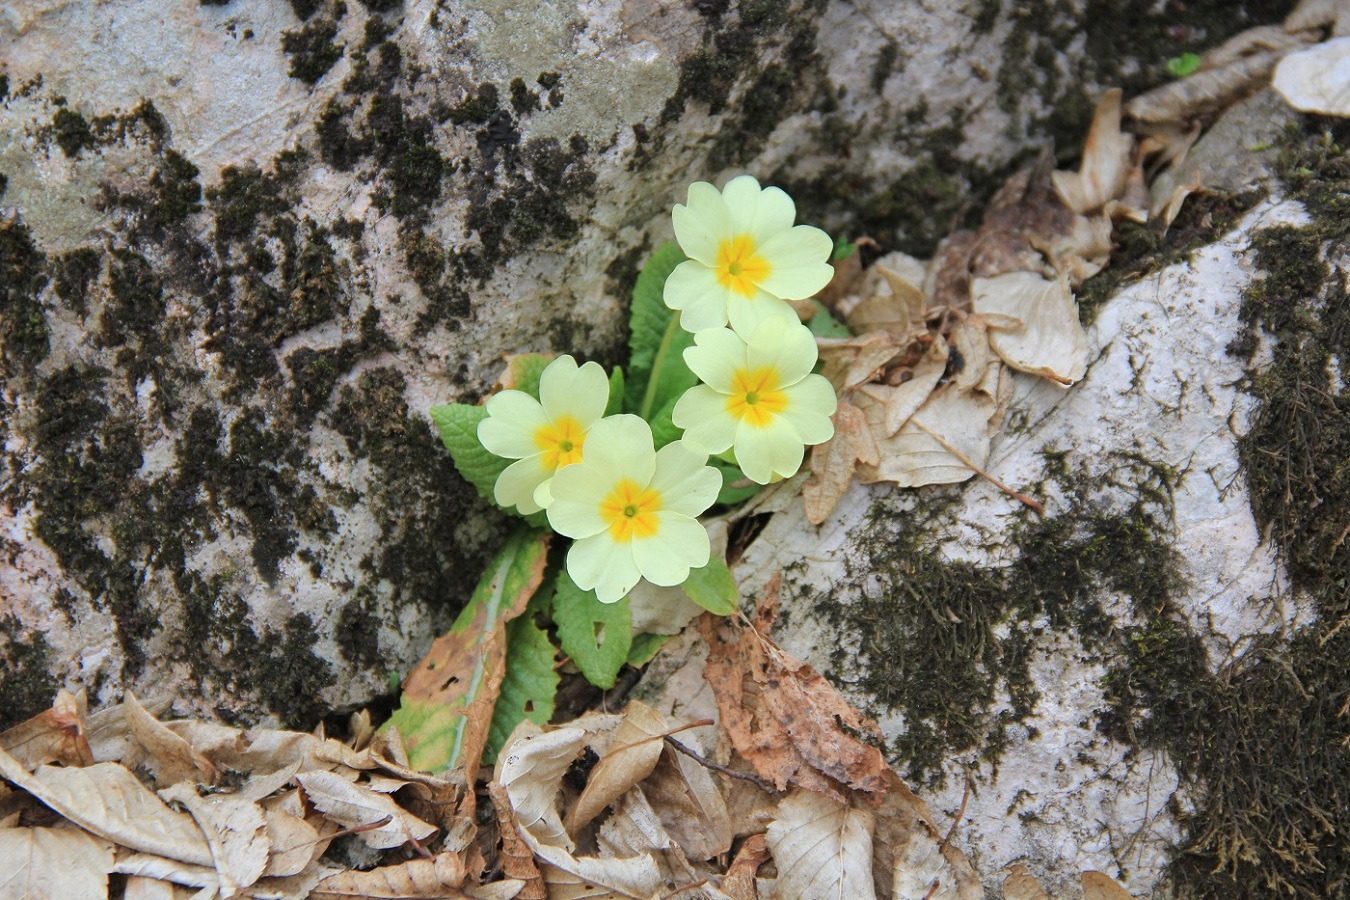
pixel 823 849
pixel 357 807
pixel 55 863
pixel 1050 341
pixel 632 755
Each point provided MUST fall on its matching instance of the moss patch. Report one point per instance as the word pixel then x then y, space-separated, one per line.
pixel 26 682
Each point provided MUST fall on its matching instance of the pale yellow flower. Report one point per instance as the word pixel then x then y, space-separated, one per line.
pixel 758 397
pixel 745 256
pixel 632 511
pixel 542 435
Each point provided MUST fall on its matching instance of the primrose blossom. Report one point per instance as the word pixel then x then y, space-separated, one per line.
pixel 632 510
pixel 544 435
pixel 758 398
pixel 745 256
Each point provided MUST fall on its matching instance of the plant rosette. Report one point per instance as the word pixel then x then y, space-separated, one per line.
pixel 544 435
pixel 759 397
pixel 632 510
pixel 745 256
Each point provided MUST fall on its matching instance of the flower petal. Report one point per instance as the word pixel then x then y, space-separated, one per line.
pixel 566 390
pixel 799 261
pixel 665 558
pixel 599 563
pixel 811 402
pixel 517 483
pixel 513 418
pixel 716 356
pixel 784 344
pixel 701 226
pixel 758 213
pixel 775 448
pixel 745 314
pixel 707 422
pixel 618 447
pixel 693 289
pixel 577 492
pixel 687 484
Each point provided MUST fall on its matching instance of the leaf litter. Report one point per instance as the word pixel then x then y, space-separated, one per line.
pixel 792 800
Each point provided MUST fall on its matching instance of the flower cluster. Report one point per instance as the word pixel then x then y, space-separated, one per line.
pixel 632 509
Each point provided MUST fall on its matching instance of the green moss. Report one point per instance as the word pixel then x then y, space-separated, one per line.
pixel 312 47
pixel 26 682
pixel 75 271
pixel 478 109
pixel 23 327
pixel 885 65
pixel 71 132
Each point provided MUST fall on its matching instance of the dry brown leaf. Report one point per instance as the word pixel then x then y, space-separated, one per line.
pixel 107 800
pixel 632 755
pixel 234 830
pixel 780 714
pixel 1317 80
pixel 849 362
pixel 530 768
pixel 940 442
pixel 147 865
pixel 690 806
pixel 1106 161
pixel 109 734
pixel 141 888
pixel 823 849
pixel 55 735
pixel 441 877
pixel 948 283
pixel 636 830
pixel 910 859
pixel 588 878
pixel 259 751
pixel 970 339
pixel 903 400
pixel 1203 93
pixel 172 759
pixel 739 882
pixel 356 807
pixel 1051 342
pixel 55 863
pixel 516 859
pixel 1100 886
pixel 292 843
pixel 1022 885
pixel 832 462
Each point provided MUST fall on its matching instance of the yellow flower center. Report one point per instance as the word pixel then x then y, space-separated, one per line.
pixel 560 441
pixel 630 511
pixel 739 266
pixel 755 396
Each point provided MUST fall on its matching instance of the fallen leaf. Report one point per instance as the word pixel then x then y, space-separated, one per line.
pixel 636 830
pixel 1203 93
pixel 141 888
pixel 516 859
pixel 109 801
pixel 440 877
pixel 148 865
pixel 56 863
pixel 823 848
pixel 849 362
pixel 292 843
pixel 234 830
pixel 356 807
pixel 833 462
pixel 1317 80
pixel 446 708
pixel 689 803
pixel 1106 161
pixel 633 753
pixel 739 882
pixel 54 735
pixel 530 768
pixel 1022 885
pixel 172 759
pixel 903 400
pixel 910 860
pixel 588 878
pixel 783 717
pixel 970 339
pixel 940 442
pixel 1051 342
pixel 1100 886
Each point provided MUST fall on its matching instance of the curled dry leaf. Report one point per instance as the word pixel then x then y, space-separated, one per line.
pixel 64 863
pixel 109 801
pixel 783 717
pixel 1317 13
pixel 56 735
pixel 832 462
pixel 1050 342
pixel 1205 92
pixel 739 882
pixel 823 848
pixel 636 830
pixel 440 877
pixel 516 859
pixel 689 803
pixel 1106 161
pixel 172 759
pixel 292 843
pixel 147 865
pixel 892 406
pixel 357 807
pixel 234 830
pixel 530 768
pixel 632 755
pixel 908 856
pixel 849 362
pixel 260 751
pixel 588 878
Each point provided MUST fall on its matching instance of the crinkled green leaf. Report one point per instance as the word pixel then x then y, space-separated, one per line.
pixel 735 486
pixel 524 371
pixel 449 697
pixel 458 424
pixel 824 325
pixel 645 646
pixel 615 404
pixel 664 429
pixel 843 249
pixel 597 636
pixel 530 684
pixel 713 588
pixel 656 369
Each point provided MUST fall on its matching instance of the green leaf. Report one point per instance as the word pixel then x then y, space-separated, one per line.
pixel 645 646
pixel 824 325
pixel 448 700
pixel 530 684
pixel 524 371
pixel 664 430
pixel 713 588
pixel 656 369
pixel 458 423
pixel 1183 65
pixel 597 636
pixel 731 475
pixel 843 249
pixel 615 404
